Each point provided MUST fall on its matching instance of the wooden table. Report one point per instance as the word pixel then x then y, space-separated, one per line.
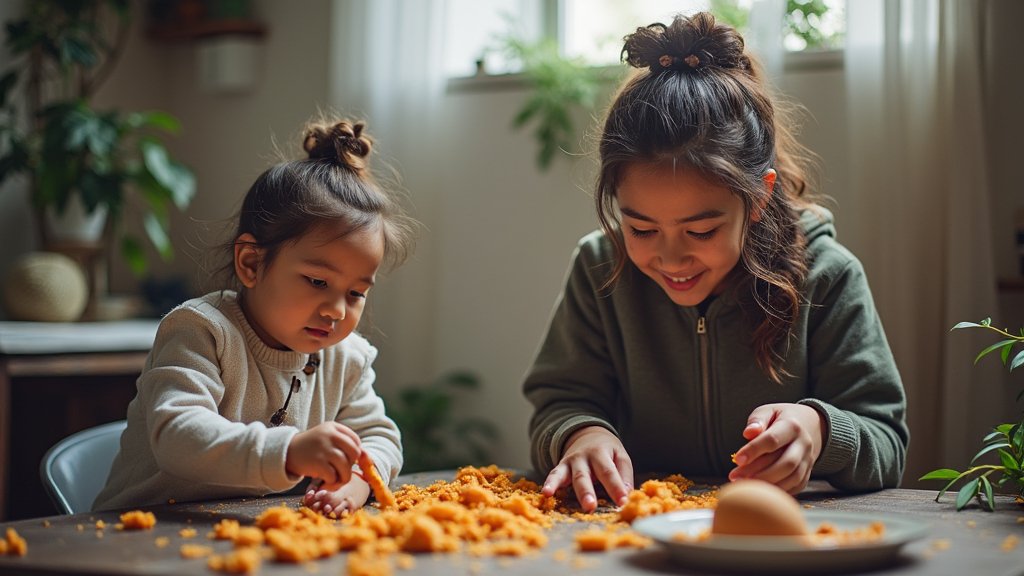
pixel 973 537
pixel 75 375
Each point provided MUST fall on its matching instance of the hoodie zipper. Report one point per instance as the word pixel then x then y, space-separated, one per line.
pixel 705 379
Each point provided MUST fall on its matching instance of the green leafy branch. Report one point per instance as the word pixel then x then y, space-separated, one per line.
pixel 560 85
pixel 1006 440
pixel 432 437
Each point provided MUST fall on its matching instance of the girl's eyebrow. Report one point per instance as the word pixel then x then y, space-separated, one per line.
pixel 705 215
pixel 325 264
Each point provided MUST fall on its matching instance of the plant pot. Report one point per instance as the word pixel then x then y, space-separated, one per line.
pixel 74 225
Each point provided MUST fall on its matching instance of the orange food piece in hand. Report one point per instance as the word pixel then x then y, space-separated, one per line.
pixel 380 489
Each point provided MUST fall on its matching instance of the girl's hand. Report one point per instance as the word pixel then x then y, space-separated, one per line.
pixel 592 452
pixel 349 498
pixel 325 451
pixel 785 441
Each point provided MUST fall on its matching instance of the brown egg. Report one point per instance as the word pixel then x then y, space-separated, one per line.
pixel 757 508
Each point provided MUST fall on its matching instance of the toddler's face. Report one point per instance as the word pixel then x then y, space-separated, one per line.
pixel 314 291
pixel 680 229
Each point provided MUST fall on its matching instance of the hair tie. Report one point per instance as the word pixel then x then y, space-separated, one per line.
pixel 691 60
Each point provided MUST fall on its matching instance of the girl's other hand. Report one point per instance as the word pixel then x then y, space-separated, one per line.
pixel 349 498
pixel 592 452
pixel 325 451
pixel 785 441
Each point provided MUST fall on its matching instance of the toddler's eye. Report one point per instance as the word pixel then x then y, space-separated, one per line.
pixel 356 294
pixel 316 282
pixel 704 235
pixel 638 233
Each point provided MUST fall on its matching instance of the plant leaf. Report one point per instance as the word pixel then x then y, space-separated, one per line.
pixel 157 232
pixel 1017 360
pixel 170 174
pixel 966 493
pixel 940 474
pixel 133 255
pixel 988 449
pixel 1009 343
pixel 989 501
pixel 966 325
pixel 1008 461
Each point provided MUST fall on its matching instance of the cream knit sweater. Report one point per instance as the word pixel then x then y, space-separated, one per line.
pixel 197 428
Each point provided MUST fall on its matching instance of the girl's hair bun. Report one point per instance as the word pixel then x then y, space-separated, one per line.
pixel 689 43
pixel 342 143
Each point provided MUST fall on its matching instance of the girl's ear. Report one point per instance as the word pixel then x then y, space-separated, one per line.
pixel 247 259
pixel 769 187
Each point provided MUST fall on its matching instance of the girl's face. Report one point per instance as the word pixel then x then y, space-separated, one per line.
pixel 682 230
pixel 312 294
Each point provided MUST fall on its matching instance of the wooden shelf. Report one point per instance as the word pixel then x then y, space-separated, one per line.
pixel 207 29
pixel 1010 284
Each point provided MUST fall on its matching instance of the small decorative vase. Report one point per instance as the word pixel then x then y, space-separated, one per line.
pixel 45 287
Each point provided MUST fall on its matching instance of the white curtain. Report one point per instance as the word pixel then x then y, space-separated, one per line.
pixel 921 199
pixel 387 68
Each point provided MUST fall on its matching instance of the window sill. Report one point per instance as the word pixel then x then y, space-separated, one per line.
pixel 813 61
pixel 795 62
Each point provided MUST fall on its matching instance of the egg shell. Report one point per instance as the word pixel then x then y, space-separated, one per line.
pixel 757 508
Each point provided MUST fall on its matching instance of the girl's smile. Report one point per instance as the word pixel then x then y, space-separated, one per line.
pixel 680 229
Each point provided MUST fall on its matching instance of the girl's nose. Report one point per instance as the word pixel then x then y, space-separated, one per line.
pixel 673 252
pixel 335 310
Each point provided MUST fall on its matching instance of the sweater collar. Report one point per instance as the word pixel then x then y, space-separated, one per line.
pixel 282 359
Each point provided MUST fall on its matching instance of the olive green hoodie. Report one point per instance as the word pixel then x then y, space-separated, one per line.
pixel 677 387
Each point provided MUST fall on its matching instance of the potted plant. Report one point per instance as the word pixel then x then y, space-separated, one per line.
pixel 107 163
pixel 1006 440
pixel 559 86
pixel 432 437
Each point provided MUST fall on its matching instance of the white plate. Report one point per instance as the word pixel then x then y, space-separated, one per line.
pixel 780 554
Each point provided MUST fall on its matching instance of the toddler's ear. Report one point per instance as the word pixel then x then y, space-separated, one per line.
pixel 247 259
pixel 769 187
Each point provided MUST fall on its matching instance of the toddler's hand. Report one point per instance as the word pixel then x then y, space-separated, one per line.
pixel 592 452
pixel 785 441
pixel 350 497
pixel 325 451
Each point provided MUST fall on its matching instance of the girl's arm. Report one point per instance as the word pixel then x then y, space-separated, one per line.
pixel 572 383
pixel 855 386
pixel 183 391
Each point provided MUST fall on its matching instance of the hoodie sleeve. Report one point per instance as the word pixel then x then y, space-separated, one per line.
pixel 855 386
pixel 571 384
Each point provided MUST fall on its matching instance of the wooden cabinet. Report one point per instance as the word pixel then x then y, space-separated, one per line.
pixel 57 379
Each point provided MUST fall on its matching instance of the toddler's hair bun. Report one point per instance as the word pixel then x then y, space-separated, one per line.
pixel 693 43
pixel 342 143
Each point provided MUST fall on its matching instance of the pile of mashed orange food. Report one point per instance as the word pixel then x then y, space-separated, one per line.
pixel 482 512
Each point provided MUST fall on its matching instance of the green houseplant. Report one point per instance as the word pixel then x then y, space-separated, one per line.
pixel 433 438
pixel 1006 441
pixel 112 160
pixel 559 86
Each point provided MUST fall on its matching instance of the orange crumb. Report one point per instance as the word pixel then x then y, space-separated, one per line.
pixel 192 551
pixel 138 520
pixel 15 545
pixel 162 541
pixel 1009 543
pixel 380 488
pixel 241 561
pixel 187 532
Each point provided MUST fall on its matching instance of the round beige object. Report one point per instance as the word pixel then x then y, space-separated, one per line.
pixel 45 287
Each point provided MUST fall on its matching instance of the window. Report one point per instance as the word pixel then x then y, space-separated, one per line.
pixel 593 29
